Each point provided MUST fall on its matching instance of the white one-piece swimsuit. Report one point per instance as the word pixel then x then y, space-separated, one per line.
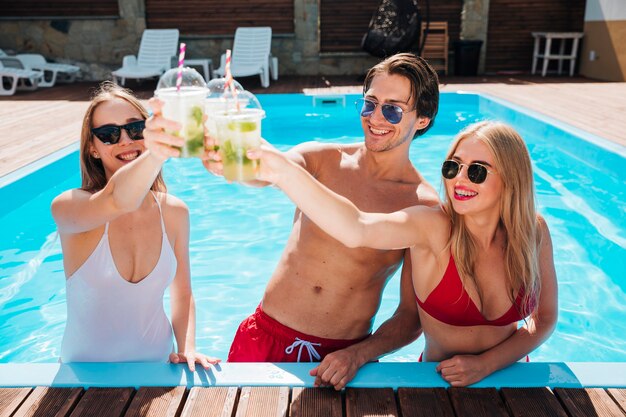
pixel 112 320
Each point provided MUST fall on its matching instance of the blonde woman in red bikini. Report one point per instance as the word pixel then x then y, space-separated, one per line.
pixel 481 263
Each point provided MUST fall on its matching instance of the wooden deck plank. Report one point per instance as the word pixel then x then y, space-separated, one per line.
pixel 11 398
pixel 210 402
pixel 532 402
pixel 477 402
pixel 311 402
pixel 263 402
pixel 371 402
pixel 588 402
pixel 50 402
pixel 619 395
pixel 103 402
pixel 573 103
pixel 156 402
pixel 425 402
pixel 315 402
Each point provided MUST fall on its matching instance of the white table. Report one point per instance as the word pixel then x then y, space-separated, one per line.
pixel 205 63
pixel 562 38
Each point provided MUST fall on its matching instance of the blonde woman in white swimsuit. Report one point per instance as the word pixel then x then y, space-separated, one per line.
pixel 125 240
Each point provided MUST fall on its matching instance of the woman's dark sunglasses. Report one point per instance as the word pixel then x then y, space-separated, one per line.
pixel 477 173
pixel 391 112
pixel 111 134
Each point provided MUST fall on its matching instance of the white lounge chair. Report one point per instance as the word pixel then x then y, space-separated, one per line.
pixel 14 76
pixel 156 50
pixel 50 70
pixel 251 55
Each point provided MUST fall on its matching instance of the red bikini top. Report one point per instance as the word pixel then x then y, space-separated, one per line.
pixel 451 304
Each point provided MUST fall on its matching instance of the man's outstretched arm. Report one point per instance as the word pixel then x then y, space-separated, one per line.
pixel 340 367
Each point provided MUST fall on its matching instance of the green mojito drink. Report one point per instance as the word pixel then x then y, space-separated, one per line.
pixel 187 108
pixel 238 132
pixel 214 106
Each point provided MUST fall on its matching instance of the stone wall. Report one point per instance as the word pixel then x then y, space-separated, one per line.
pixel 98 45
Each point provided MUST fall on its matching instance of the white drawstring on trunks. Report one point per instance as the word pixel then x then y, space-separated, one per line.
pixel 313 355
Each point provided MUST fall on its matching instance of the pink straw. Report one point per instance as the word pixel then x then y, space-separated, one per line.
pixel 181 62
pixel 229 83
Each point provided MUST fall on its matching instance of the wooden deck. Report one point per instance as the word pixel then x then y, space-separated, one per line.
pixel 41 122
pixel 311 402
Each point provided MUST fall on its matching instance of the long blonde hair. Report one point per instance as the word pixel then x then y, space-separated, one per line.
pixel 93 177
pixel 517 214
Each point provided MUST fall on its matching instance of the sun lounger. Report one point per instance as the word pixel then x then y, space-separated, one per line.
pixel 52 72
pixel 251 55
pixel 156 50
pixel 14 76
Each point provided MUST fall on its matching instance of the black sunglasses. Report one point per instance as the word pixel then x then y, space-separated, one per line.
pixel 477 173
pixel 111 134
pixel 391 112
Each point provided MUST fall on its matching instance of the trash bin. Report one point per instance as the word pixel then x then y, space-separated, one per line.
pixel 466 56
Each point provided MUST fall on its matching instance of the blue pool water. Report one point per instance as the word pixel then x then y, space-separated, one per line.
pixel 238 232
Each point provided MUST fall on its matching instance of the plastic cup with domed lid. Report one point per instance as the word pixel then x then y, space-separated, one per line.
pixel 183 102
pixel 220 99
pixel 238 130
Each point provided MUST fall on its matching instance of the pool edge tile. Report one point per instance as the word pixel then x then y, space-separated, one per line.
pixel 386 374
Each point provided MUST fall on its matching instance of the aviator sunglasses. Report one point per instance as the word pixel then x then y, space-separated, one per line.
pixel 391 112
pixel 477 173
pixel 111 134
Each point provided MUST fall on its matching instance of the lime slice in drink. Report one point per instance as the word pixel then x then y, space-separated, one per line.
pixel 242 126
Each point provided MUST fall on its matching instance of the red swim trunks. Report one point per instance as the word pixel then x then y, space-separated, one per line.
pixel 260 338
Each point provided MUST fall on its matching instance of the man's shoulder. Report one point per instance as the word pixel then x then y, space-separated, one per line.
pixel 317 156
pixel 314 147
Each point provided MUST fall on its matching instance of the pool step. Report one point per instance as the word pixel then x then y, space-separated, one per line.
pixel 329 100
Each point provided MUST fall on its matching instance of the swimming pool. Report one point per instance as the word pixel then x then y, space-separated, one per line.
pixel 239 232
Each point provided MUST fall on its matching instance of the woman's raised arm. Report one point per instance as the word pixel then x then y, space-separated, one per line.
pixel 337 215
pixel 77 211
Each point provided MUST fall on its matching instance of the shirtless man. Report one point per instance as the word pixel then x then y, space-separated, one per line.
pixel 320 303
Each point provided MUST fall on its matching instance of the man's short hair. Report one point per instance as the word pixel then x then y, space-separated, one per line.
pixel 423 78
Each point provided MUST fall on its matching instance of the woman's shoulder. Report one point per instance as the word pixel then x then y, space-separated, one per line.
pixel 431 221
pixel 431 213
pixel 430 226
pixel 541 222
pixel 172 203
pixel 69 196
pixel 543 232
pixel 72 193
pixel 175 214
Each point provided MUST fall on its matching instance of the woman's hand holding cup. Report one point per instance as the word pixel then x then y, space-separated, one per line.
pixel 273 162
pixel 161 144
pixel 211 159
